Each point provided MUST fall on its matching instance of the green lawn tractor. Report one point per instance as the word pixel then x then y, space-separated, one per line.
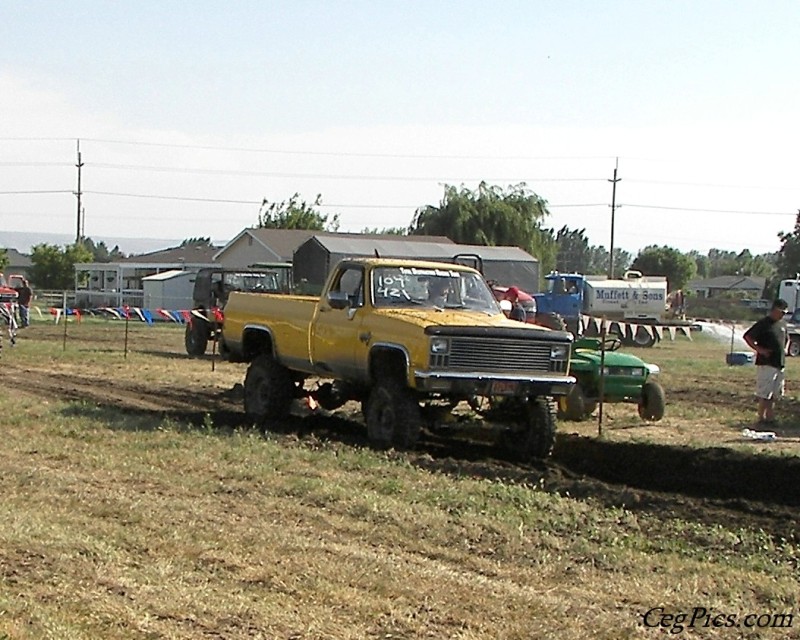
pixel 626 378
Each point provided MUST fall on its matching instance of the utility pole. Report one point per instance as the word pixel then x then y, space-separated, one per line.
pixel 78 193
pixel 613 210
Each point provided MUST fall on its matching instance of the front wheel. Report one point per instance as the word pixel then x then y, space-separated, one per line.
pixel 794 347
pixel 393 417
pixel 535 437
pixel 652 402
pixel 268 389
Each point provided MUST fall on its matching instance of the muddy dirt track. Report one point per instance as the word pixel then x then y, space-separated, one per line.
pixel 712 486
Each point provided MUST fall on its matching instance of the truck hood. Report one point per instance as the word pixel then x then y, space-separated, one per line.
pixel 454 317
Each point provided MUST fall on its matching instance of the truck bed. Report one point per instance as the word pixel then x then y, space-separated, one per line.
pixel 288 316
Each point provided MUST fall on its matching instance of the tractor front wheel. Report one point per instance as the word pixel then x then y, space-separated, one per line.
pixel 652 402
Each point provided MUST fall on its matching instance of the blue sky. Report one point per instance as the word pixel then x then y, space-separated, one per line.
pixel 190 113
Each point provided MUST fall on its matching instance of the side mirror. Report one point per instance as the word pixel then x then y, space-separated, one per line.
pixel 338 300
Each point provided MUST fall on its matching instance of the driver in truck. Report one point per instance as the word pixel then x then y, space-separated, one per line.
pixel 438 289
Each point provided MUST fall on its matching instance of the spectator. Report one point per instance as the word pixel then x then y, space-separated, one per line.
pixel 25 295
pixel 768 338
pixel 523 305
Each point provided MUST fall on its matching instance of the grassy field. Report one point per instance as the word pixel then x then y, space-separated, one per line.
pixel 138 503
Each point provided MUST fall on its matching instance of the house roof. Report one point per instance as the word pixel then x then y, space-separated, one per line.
pixel 17 259
pixel 409 247
pixel 282 243
pixel 733 283
pixel 169 275
pixel 396 247
pixel 190 254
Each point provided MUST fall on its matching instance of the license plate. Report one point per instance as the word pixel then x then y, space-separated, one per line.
pixel 504 387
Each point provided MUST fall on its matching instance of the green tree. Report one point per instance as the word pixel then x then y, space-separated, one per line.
pixel 678 268
pixel 598 261
pixel 3 259
pixel 788 262
pixel 390 231
pixel 701 263
pixel 54 267
pixel 491 216
pixel 200 241
pixel 295 213
pixel 100 252
pixel 573 253
pixel 722 263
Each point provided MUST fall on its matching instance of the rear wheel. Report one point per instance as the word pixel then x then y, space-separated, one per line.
pixel 268 389
pixel 196 337
pixel 393 417
pixel 794 347
pixel 643 338
pixel 652 402
pixel 535 437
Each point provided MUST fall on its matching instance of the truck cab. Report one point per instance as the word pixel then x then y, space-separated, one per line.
pixel 564 296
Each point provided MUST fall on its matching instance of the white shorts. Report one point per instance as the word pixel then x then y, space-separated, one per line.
pixel 769 382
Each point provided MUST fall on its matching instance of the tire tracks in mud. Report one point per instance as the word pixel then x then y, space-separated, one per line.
pixel 715 486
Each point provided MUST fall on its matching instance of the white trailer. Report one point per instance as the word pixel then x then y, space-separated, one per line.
pixel 634 297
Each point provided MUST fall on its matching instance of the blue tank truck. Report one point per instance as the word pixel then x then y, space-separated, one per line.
pixel 637 303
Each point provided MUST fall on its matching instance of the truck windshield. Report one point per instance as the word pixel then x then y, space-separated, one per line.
pixel 561 286
pixel 437 288
pixel 253 282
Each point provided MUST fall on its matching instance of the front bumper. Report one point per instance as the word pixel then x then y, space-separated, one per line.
pixel 469 383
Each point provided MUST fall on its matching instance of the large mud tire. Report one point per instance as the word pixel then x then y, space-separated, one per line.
pixel 535 437
pixel 573 406
pixel 551 321
pixel 268 390
pixel 393 417
pixel 196 337
pixel 653 402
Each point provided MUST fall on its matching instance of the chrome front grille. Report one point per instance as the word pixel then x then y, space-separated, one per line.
pixel 497 354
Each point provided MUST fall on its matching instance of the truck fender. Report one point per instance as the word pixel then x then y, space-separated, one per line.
pixel 387 359
pixel 257 339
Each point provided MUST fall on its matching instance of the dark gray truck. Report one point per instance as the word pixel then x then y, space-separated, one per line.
pixel 212 286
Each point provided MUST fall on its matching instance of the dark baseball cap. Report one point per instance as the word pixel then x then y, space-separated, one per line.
pixel 781 304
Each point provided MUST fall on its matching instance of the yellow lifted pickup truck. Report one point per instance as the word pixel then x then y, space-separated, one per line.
pixel 401 337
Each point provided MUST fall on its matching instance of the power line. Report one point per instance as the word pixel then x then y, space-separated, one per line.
pixel 35 164
pixel 324 176
pixel 259 202
pixel 16 193
pixel 184 198
pixel 710 185
pixel 752 213
pixel 340 153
